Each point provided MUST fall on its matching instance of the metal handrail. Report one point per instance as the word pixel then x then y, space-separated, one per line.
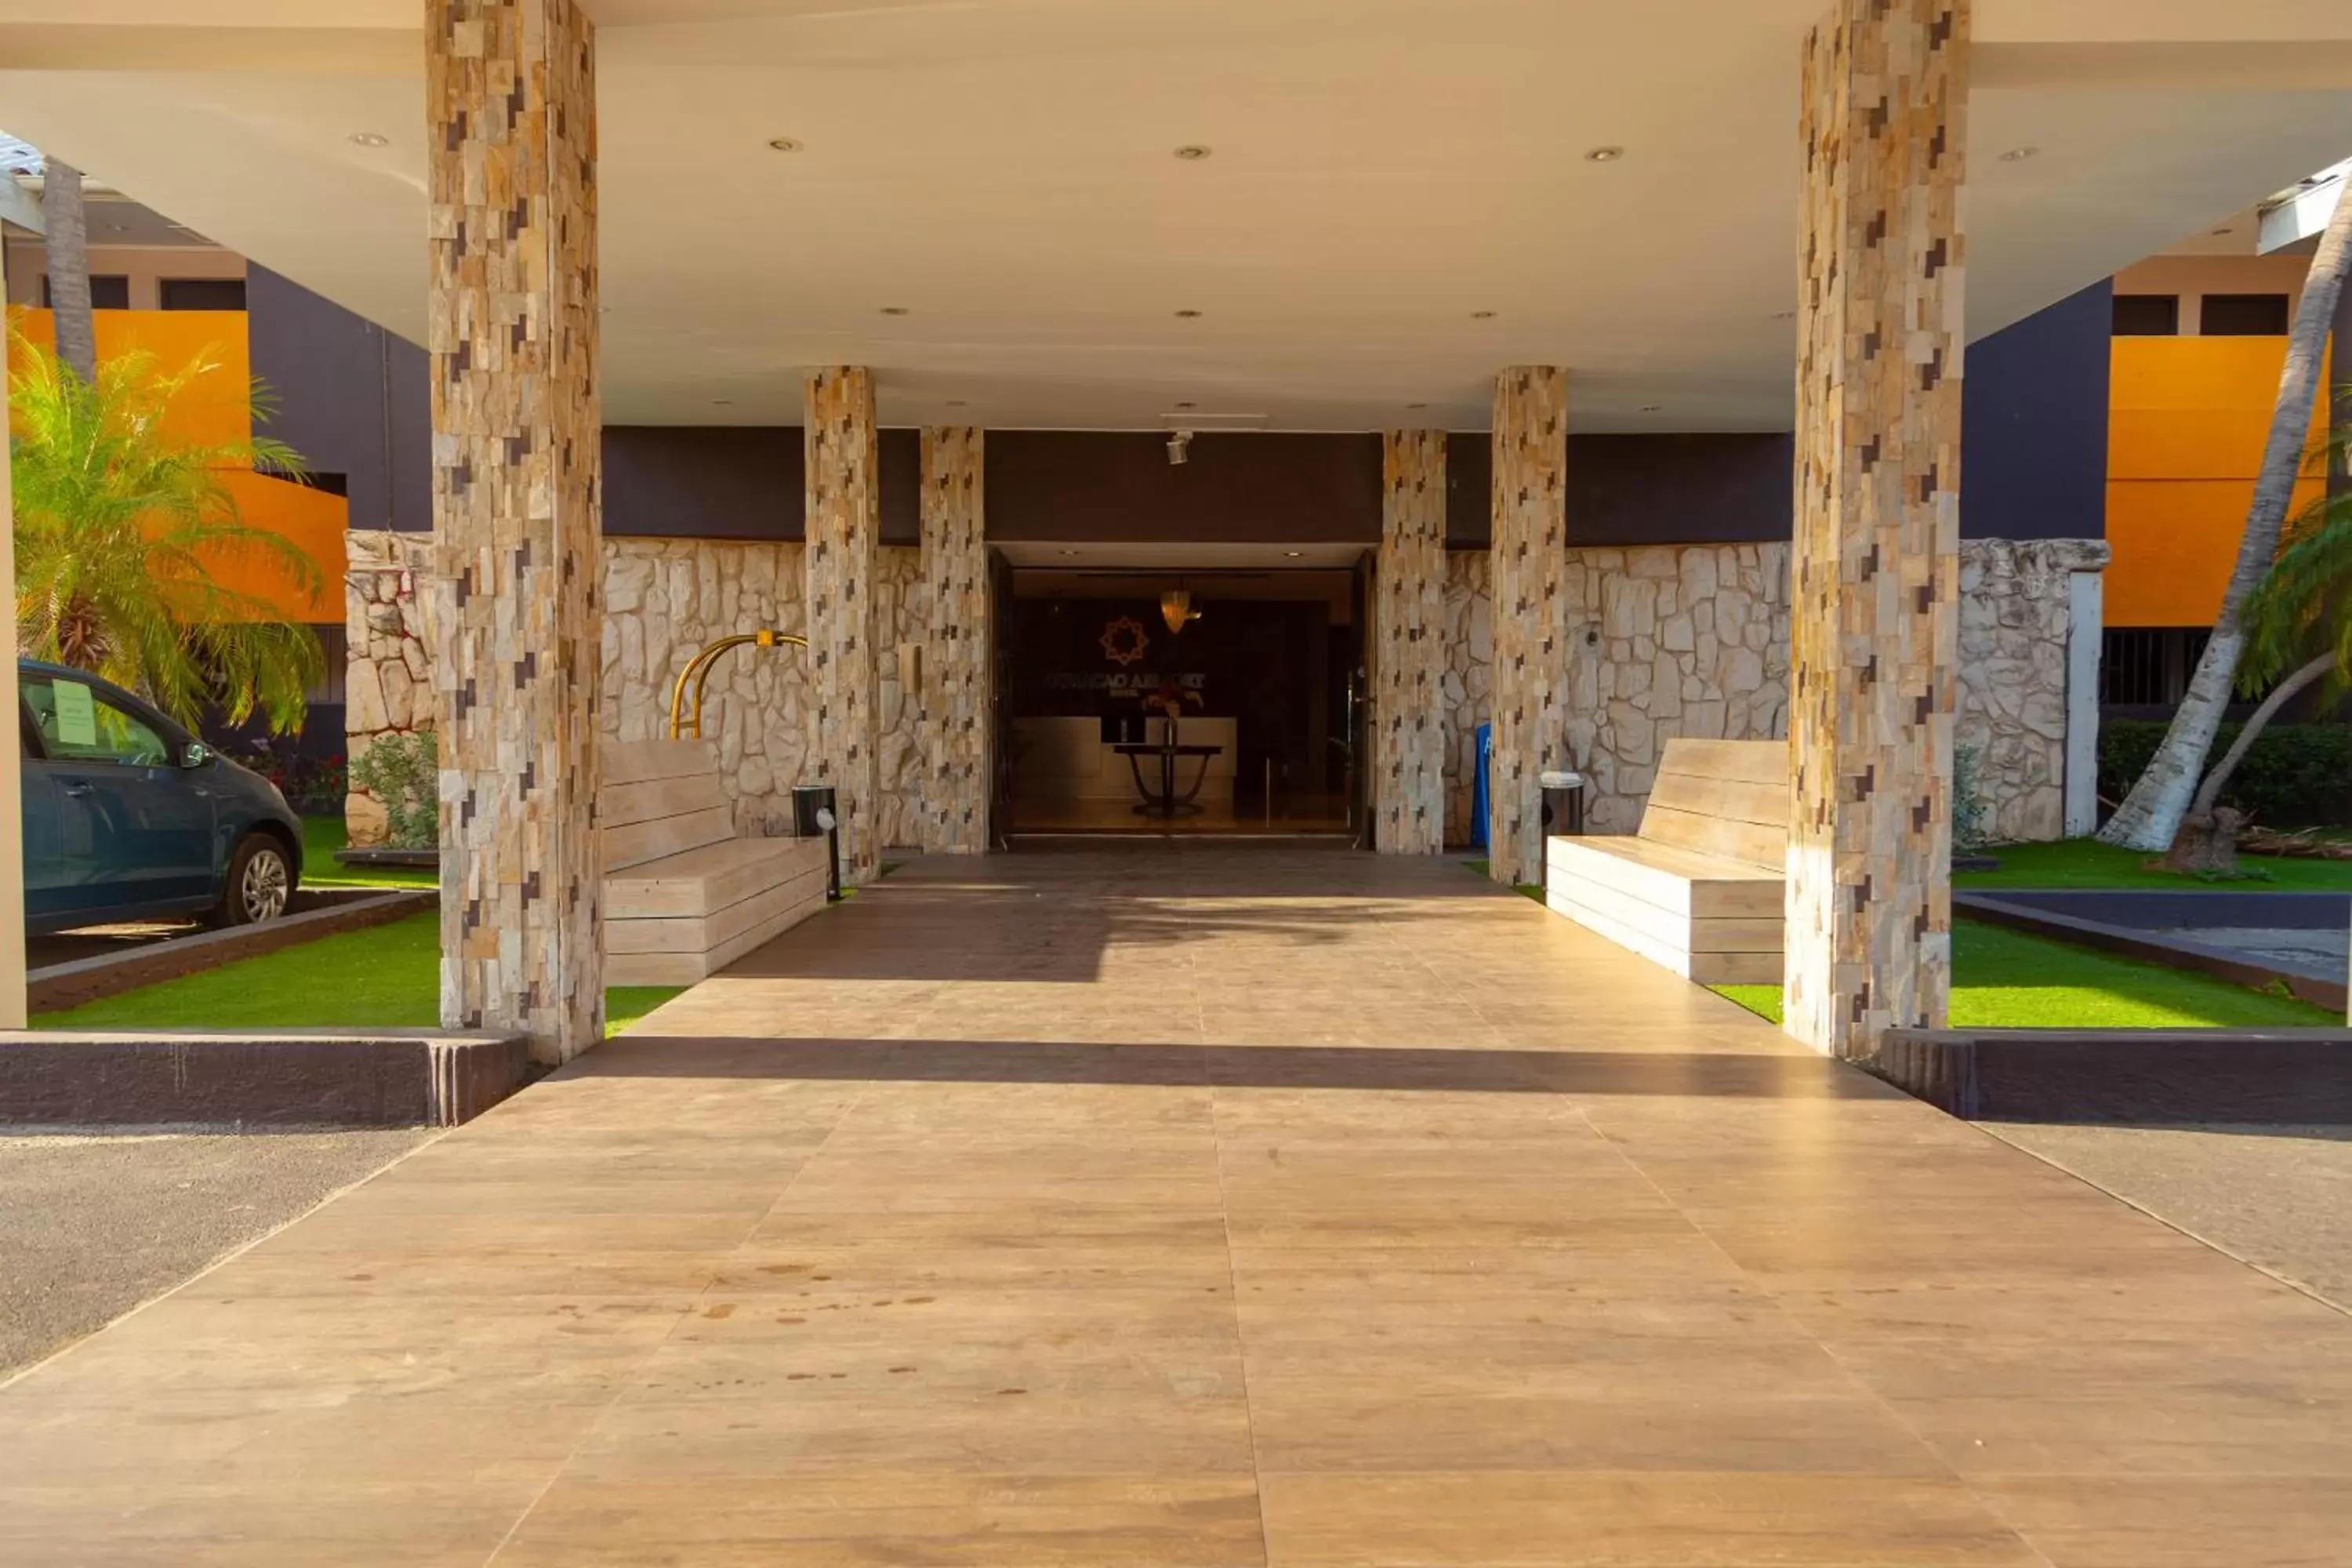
pixel 698 670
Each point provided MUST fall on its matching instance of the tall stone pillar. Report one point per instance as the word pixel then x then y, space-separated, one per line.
pixel 510 91
pixel 1531 612
pixel 1409 659
pixel 11 821
pixel 845 528
pixel 1875 570
pixel 959 683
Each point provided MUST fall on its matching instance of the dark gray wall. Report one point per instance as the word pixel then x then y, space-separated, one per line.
pixel 1053 485
pixel 350 398
pixel 727 481
pixel 2033 446
pixel 1641 489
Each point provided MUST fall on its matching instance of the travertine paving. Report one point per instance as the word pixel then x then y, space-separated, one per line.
pixel 1183 1205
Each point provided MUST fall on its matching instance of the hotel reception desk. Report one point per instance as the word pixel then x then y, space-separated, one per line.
pixel 1072 767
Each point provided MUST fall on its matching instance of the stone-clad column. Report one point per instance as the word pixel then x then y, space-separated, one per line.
pixel 958 683
pixel 510 91
pixel 1409 661
pixel 1875 570
pixel 844 529
pixel 1531 608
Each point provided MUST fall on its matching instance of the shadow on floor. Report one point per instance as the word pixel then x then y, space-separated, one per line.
pixel 1378 1069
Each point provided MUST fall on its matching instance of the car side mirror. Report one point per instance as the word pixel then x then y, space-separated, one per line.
pixel 196 755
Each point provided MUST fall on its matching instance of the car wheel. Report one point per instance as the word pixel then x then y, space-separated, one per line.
pixel 260 882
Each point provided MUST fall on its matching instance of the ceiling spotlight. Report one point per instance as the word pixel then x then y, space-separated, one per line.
pixel 1180 447
pixel 783 144
pixel 1192 152
pixel 2020 154
pixel 369 139
pixel 1652 407
pixel 1069 552
pixel 956 402
pixel 1416 406
pixel 1188 315
pixel 1482 315
pixel 722 402
pixel 1293 554
pixel 1186 407
pixel 894 310
pixel 1604 154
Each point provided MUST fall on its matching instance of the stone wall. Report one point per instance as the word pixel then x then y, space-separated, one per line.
pixel 665 599
pixel 1693 640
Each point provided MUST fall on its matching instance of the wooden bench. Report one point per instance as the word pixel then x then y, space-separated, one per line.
pixel 685 896
pixel 1699 888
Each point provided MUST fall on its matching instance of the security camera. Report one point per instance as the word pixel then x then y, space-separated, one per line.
pixel 1180 445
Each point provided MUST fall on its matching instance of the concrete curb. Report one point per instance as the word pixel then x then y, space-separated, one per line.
pixel 2257 1077
pixel 259 1077
pixel 60 985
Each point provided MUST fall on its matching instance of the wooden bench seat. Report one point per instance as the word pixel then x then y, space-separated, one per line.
pixel 1699 888
pixel 684 895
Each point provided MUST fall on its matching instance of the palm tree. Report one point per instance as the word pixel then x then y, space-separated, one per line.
pixel 2298 623
pixel 66 248
pixel 118 526
pixel 2150 817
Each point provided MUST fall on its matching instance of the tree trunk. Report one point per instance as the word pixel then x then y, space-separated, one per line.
pixel 68 245
pixel 2150 815
pixel 2206 843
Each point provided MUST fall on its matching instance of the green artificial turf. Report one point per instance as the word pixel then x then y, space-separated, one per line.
pixel 387 976
pixel 2086 863
pixel 1525 889
pixel 322 835
pixel 2008 980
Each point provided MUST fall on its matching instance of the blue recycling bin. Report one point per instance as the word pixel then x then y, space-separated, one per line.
pixel 1478 785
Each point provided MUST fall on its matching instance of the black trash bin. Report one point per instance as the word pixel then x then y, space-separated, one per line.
pixel 814 813
pixel 1563 810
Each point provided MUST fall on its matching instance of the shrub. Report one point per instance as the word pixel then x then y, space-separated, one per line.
pixel 404 771
pixel 2295 775
pixel 1969 814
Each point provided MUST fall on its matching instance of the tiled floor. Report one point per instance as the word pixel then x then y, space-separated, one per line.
pixel 1180 1204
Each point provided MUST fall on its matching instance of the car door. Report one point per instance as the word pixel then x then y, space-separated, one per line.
pixel 46 894
pixel 134 828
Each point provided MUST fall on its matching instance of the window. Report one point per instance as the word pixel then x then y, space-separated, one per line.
pixel 2148 666
pixel 2147 315
pixel 204 293
pixel 79 725
pixel 2245 316
pixel 107 291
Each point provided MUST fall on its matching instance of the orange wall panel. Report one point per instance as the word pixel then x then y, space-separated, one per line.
pixel 218 408
pixel 2187 419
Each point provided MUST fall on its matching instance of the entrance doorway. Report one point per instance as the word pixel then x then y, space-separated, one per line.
pixel 1218 699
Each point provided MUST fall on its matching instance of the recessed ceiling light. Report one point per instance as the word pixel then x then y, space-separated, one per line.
pixel 1652 407
pixel 1069 552
pixel 1293 554
pixel 370 139
pixel 1604 154
pixel 1784 315
pixel 1482 315
pixel 1192 152
pixel 783 144
pixel 1186 407
pixel 1188 315
pixel 1416 406
pixel 956 402
pixel 894 310
pixel 2225 228
pixel 2020 154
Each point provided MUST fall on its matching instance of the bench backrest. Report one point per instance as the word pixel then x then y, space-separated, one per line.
pixel 661 797
pixel 1723 797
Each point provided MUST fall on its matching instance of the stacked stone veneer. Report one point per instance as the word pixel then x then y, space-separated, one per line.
pixel 665 601
pixel 511 354
pixel 1530 614
pixel 958 719
pixel 1409 659
pixel 1693 640
pixel 844 521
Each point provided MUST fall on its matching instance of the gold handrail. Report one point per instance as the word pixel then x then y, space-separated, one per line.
pixel 698 670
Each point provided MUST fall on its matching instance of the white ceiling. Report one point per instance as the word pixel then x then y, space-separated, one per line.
pixel 1002 170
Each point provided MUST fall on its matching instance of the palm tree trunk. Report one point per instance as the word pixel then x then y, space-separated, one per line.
pixel 2150 815
pixel 2286 691
pixel 68 245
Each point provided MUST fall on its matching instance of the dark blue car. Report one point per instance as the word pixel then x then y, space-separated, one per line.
pixel 128 816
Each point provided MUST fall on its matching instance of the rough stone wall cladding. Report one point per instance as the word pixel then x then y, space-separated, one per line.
pixel 1694 641
pixel 958 720
pixel 389 678
pixel 1530 614
pixel 843 529
pixel 1408 657
pixel 665 601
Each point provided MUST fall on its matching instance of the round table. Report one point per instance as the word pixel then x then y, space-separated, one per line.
pixel 1166 802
